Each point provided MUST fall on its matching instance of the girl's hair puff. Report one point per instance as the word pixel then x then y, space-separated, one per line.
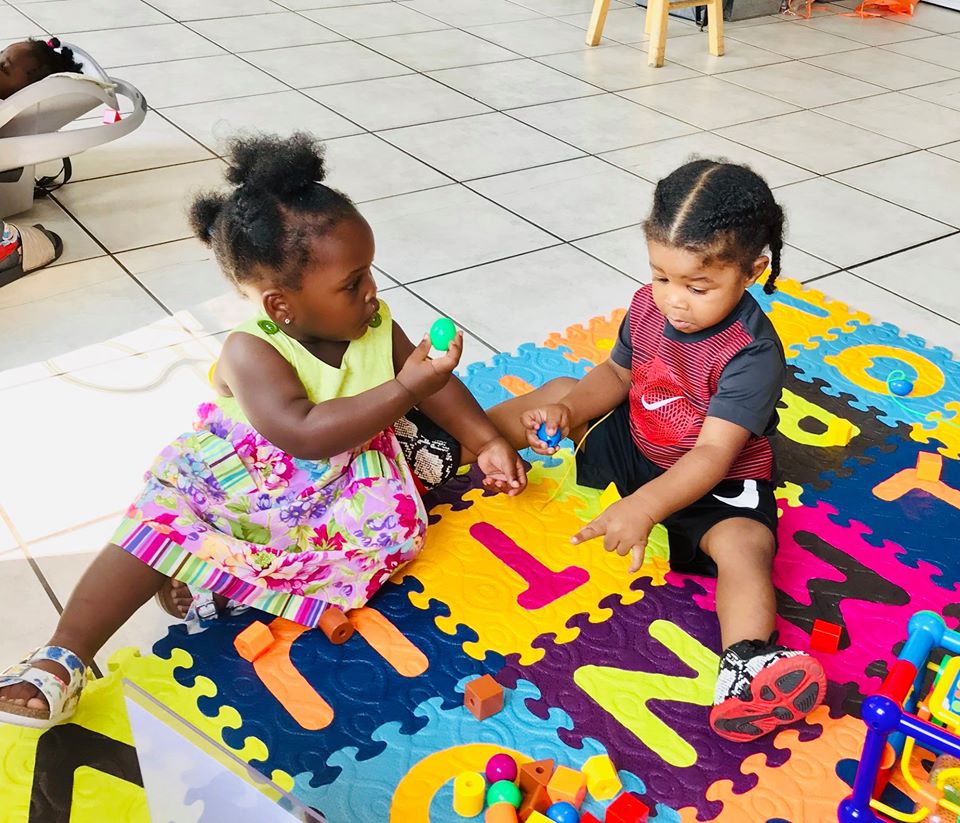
pixel 720 210
pixel 263 228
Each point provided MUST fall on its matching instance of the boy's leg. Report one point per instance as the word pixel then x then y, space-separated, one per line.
pixel 743 550
pixel 113 587
pixel 760 685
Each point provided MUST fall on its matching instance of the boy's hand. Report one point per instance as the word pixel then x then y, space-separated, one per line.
pixel 503 470
pixel 625 528
pixel 422 376
pixel 555 417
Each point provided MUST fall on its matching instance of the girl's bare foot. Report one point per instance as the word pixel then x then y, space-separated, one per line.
pixel 175 598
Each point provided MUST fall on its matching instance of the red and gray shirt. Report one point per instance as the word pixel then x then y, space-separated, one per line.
pixel 734 370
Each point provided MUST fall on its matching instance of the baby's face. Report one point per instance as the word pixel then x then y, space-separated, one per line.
pixel 694 294
pixel 18 69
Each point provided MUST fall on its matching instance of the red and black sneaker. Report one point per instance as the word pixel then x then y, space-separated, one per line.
pixel 762 686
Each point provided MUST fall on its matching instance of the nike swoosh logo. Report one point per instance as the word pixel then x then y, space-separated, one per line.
pixel 659 404
pixel 749 498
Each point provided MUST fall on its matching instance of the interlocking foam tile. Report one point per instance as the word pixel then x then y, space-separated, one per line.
pixel 412 779
pixel 860 362
pixel 805 318
pixel 602 660
pixel 363 690
pixel 86 771
pixel 509 375
pixel 520 578
pixel 821 433
pixel 592 342
pixel 805 789
pixel 642 682
pixel 920 517
pixel 831 572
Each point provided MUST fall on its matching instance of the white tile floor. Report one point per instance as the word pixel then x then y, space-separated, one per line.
pixel 505 168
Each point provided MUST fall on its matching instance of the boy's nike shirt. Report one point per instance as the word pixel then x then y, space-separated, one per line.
pixel 734 370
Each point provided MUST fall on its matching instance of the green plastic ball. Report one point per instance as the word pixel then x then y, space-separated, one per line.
pixel 504 791
pixel 442 333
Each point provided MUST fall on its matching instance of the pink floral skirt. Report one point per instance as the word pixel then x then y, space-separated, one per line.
pixel 225 511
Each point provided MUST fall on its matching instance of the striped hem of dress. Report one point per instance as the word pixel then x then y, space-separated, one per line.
pixel 168 557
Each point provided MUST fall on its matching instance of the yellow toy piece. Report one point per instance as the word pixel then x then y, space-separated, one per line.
pixel 468 792
pixel 603 782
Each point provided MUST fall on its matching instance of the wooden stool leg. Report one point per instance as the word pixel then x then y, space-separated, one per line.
pixel 647 17
pixel 597 18
pixel 715 27
pixel 660 11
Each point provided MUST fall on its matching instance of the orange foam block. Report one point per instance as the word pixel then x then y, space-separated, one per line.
pixel 253 641
pixel 567 784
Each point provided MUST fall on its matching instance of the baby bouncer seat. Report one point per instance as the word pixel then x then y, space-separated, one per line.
pixel 31 121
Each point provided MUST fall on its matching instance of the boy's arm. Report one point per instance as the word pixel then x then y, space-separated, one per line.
pixel 694 474
pixel 602 389
pixel 625 526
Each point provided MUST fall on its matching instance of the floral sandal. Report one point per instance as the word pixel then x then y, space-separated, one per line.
pixel 62 697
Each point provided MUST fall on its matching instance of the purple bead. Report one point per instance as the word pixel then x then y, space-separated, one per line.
pixel 501 767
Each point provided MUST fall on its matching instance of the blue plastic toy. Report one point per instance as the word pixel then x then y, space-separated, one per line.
pixel 563 812
pixel 901 388
pixel 552 440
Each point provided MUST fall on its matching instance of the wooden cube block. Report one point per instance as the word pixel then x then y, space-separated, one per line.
pixel 603 782
pixel 536 800
pixel 586 817
pixel 627 809
pixel 536 817
pixel 567 784
pixel 483 697
pixel 535 773
pixel 825 636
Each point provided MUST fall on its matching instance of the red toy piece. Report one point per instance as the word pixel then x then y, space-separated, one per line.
pixel 627 809
pixel 586 817
pixel 825 636
pixel 483 697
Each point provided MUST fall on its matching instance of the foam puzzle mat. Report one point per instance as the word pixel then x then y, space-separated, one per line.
pixel 592 659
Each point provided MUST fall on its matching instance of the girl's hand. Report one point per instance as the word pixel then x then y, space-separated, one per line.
pixel 502 468
pixel 423 376
pixel 625 528
pixel 555 417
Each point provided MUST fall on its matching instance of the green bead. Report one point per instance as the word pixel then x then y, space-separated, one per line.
pixel 442 333
pixel 376 321
pixel 504 791
pixel 268 326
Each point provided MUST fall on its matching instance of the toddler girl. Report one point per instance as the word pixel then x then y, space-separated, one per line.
pixel 297 492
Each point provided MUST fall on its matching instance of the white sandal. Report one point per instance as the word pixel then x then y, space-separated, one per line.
pixel 62 697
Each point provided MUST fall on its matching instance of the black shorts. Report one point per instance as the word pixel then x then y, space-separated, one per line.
pixel 432 453
pixel 609 455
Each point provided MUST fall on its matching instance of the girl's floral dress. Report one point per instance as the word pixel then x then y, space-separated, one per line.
pixel 225 510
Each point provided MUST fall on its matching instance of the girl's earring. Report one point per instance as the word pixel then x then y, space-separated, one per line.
pixel 286 321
